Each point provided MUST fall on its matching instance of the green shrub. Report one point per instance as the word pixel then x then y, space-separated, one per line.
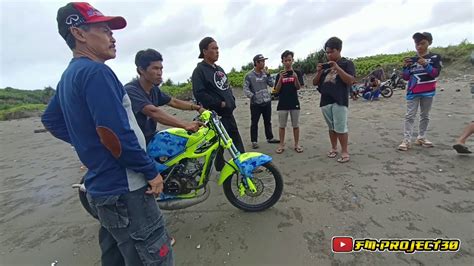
pixel 182 91
pixel 21 111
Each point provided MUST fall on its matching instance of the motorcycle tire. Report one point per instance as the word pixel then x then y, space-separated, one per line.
pixel 275 196
pixel 386 92
pixel 401 84
pixel 390 84
pixel 85 202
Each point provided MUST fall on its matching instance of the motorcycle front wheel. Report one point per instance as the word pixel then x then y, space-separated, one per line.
pixel 269 184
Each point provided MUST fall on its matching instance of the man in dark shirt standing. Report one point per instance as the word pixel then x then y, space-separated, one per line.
pixel 289 81
pixel 146 97
pixel 211 89
pixel 334 82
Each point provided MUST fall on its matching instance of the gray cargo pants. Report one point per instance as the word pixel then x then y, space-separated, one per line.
pixel 412 107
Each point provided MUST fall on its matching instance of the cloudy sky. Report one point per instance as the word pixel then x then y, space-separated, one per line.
pixel 33 55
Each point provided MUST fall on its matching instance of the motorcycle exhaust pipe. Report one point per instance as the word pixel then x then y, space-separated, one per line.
pixel 176 204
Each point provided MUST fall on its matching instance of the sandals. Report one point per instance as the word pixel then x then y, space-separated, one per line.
pixel 344 159
pixel 461 149
pixel 299 149
pixel 332 154
pixel 280 150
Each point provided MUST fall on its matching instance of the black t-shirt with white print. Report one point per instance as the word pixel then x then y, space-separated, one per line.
pixel 288 95
pixel 331 86
pixel 211 87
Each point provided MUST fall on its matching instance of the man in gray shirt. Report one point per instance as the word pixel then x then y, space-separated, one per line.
pixel 255 88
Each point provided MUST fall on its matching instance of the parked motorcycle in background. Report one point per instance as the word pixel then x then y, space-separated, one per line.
pixel 396 80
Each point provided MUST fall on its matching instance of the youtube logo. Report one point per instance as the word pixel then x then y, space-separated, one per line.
pixel 342 244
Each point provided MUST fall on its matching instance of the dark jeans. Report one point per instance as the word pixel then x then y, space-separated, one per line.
pixel 264 110
pixel 230 126
pixel 132 230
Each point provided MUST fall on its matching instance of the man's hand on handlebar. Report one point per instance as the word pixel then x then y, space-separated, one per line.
pixel 201 110
pixel 193 126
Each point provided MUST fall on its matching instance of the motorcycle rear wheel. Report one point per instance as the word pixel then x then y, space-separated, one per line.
pixel 386 92
pixel 401 84
pixel 232 194
pixel 85 202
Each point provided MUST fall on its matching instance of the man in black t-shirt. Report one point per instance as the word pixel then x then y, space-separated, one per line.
pixel 334 80
pixel 146 97
pixel 212 90
pixel 289 81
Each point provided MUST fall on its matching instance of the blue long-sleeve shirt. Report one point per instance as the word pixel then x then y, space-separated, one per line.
pixel 92 111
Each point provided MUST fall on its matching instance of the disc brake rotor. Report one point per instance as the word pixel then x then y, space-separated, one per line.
pixel 259 185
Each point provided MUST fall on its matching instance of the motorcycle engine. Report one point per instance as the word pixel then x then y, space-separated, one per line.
pixel 182 178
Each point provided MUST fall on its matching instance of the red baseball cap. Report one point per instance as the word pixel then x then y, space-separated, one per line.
pixel 76 14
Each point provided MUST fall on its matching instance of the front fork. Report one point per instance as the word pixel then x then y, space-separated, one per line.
pixel 228 144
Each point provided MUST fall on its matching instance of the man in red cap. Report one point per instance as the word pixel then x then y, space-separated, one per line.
pixel 92 111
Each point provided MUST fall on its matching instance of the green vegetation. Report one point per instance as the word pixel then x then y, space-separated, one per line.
pixel 182 91
pixel 454 53
pixel 236 79
pixel 15 103
pixel 364 65
pixel 21 111
pixel 10 97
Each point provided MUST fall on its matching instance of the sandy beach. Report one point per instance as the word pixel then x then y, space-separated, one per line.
pixel 380 193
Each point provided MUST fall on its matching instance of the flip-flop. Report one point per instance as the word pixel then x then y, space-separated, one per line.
pixel 173 241
pixel 332 154
pixel 343 159
pixel 299 149
pixel 462 149
pixel 280 150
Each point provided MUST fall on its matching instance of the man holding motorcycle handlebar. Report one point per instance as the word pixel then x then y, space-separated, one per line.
pixel 146 97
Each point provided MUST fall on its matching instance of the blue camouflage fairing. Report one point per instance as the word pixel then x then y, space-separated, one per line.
pixel 165 144
pixel 248 165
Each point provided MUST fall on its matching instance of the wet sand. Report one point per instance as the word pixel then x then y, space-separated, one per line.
pixel 381 193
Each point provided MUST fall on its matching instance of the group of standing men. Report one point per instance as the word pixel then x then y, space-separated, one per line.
pixel 109 124
pixel 332 79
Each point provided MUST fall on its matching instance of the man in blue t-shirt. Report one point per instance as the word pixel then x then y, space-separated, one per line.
pixel 146 97
pixel 92 111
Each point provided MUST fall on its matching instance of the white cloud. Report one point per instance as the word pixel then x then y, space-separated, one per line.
pixel 33 55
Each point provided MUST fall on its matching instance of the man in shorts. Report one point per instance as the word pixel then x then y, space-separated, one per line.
pixel 334 80
pixel 289 81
